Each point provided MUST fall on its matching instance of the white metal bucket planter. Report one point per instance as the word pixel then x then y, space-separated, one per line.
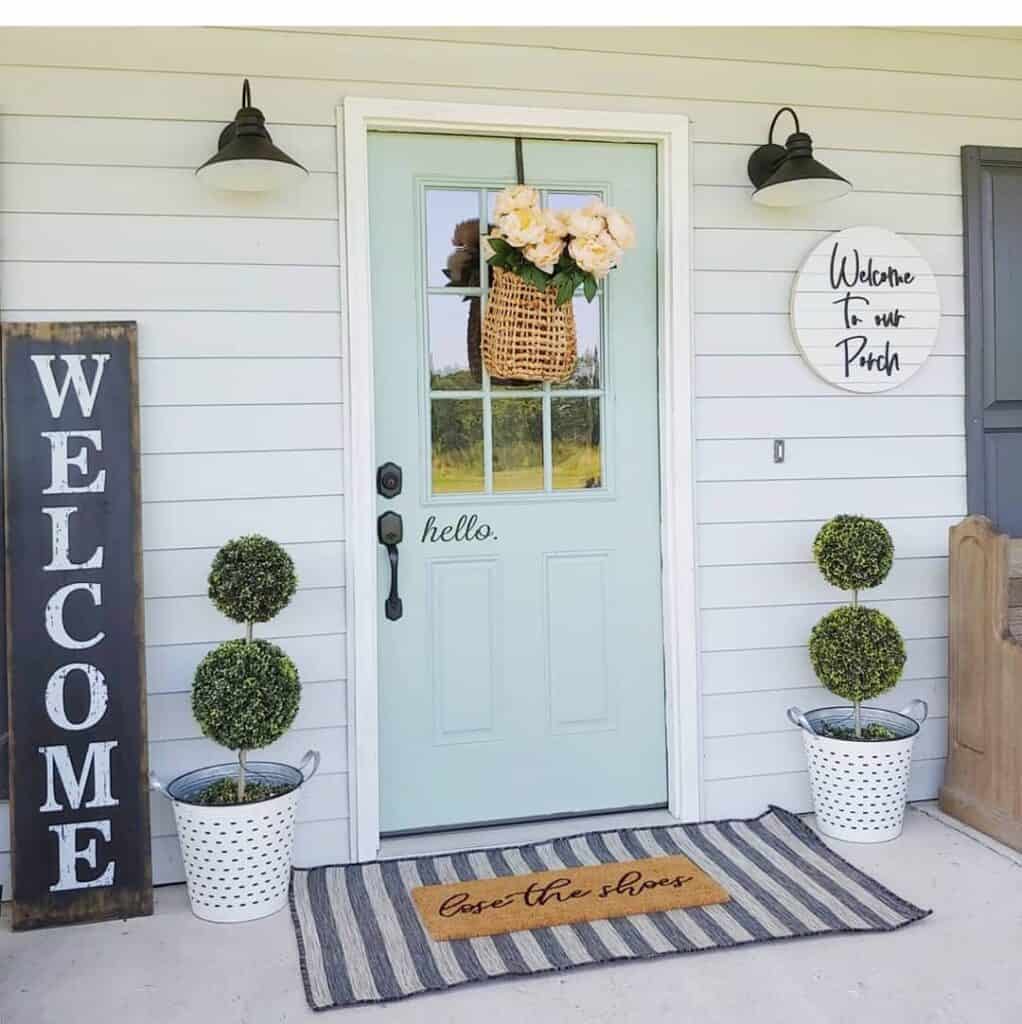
pixel 238 858
pixel 860 787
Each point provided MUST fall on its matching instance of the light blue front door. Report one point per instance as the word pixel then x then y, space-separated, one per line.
pixel 525 675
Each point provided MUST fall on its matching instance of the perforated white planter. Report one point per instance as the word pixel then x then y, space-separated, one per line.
pixel 237 859
pixel 859 788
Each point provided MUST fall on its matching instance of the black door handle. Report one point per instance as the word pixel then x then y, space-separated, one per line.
pixel 389 531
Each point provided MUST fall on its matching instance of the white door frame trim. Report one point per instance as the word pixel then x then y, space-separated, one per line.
pixel 670 134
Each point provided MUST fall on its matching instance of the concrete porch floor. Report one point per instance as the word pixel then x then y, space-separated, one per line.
pixel 960 966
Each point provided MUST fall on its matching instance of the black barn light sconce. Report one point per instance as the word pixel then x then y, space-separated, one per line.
pixel 789 175
pixel 246 159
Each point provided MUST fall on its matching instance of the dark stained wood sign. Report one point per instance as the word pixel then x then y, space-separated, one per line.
pixel 75 659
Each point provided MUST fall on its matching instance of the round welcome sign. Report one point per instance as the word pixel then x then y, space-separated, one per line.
pixel 865 309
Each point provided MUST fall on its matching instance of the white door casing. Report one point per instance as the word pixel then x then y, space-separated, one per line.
pixel 670 134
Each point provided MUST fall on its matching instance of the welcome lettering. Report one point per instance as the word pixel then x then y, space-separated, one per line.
pixel 848 270
pixel 865 310
pixel 75 468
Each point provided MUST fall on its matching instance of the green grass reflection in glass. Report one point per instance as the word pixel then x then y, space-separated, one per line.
pixel 575 430
pixel 518 444
pixel 457 446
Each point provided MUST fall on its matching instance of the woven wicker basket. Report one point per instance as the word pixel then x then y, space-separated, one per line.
pixel 526 335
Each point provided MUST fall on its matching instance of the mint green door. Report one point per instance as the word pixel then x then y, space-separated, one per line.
pixel 525 675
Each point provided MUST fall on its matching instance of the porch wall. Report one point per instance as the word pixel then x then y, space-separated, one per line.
pixel 238 307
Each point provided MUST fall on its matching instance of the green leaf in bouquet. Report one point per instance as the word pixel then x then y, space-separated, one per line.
pixel 499 245
pixel 590 287
pixel 565 290
pixel 535 276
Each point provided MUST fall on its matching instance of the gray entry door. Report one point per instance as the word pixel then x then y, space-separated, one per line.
pixel 992 185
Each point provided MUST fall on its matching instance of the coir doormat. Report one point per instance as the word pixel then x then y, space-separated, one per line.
pixel 569 895
pixel 362 939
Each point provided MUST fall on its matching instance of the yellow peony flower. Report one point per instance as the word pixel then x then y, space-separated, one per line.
pixel 584 222
pixel 596 208
pixel 522 226
pixel 545 254
pixel 621 228
pixel 517 197
pixel 555 223
pixel 596 254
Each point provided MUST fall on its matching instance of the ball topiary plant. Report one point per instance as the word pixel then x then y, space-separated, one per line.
pixel 252 579
pixel 854 553
pixel 856 652
pixel 246 692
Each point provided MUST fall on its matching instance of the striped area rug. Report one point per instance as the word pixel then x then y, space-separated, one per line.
pixel 360 939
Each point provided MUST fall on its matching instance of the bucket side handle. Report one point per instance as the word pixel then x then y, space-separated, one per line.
pixel 796 717
pixel 917 709
pixel 311 757
pixel 158 787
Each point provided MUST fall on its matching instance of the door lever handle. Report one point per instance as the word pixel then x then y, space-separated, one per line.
pixel 389 532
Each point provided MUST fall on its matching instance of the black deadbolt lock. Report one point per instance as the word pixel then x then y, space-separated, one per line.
pixel 388 480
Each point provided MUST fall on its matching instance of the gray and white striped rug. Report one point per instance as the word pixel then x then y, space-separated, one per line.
pixel 360 939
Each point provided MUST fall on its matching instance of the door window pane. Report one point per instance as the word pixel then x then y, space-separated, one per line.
pixel 491 205
pixel 588 326
pixel 518 444
pixel 452 238
pixel 531 387
pixel 501 437
pixel 455 363
pixel 569 200
pixel 457 445
pixel 575 443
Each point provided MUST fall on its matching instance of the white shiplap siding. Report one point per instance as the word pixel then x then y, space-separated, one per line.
pixel 238 305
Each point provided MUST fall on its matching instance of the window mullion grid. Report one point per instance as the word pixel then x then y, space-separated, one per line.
pixel 548 444
pixel 484 291
pixel 548 466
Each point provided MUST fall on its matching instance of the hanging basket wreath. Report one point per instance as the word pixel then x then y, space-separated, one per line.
pixel 541 257
pixel 526 335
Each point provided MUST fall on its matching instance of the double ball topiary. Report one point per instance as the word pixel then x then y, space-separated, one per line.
pixel 246 694
pixel 854 553
pixel 252 579
pixel 857 653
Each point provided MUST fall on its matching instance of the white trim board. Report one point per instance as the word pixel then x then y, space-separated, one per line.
pixel 670 134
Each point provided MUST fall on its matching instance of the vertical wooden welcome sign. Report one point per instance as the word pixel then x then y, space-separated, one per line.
pixel 75 658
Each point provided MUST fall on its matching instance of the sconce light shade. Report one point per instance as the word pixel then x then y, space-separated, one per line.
pixel 246 159
pixel 790 175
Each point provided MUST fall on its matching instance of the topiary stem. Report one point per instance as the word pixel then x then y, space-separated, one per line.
pixel 248 631
pixel 858 709
pixel 241 775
